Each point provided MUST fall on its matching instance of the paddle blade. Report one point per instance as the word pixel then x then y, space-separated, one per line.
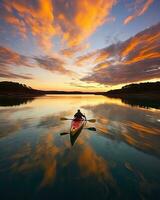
pixel 92 120
pixel 64 133
pixel 91 129
pixel 63 118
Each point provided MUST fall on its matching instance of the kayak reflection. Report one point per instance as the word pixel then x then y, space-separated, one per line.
pixel 73 137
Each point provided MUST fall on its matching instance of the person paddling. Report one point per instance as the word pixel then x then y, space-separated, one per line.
pixel 79 115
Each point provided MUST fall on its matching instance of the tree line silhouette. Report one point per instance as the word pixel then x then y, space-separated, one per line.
pixel 137 88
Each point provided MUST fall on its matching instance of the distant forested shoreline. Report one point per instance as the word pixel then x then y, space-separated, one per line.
pixel 141 90
pixel 142 94
pixel 8 88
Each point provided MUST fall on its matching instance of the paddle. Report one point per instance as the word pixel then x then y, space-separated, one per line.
pixel 88 120
pixel 90 129
pixel 64 133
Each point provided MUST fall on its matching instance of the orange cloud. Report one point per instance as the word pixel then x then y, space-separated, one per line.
pixel 129 48
pixel 39 20
pixel 80 19
pixel 73 21
pixel 100 66
pixel 8 59
pixel 90 15
pixel 145 46
pixel 85 58
pixel 135 59
pixel 10 19
pixel 53 64
pixel 73 50
pixel 138 12
pixel 96 57
pixel 102 56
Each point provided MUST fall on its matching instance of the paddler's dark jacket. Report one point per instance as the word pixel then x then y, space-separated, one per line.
pixel 79 115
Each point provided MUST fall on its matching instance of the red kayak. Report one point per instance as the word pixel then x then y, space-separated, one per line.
pixel 76 125
pixel 76 128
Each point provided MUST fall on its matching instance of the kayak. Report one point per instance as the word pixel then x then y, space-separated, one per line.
pixel 76 128
pixel 76 125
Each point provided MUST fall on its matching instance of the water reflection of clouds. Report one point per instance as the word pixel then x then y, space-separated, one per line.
pixel 145 186
pixel 129 125
pixel 19 119
pixel 92 164
pixel 52 120
pixel 42 157
pixel 10 124
pixel 51 156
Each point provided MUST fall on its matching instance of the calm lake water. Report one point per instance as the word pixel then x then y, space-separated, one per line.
pixel 120 160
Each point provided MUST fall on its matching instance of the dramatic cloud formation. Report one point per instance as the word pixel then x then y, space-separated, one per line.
pixel 81 60
pixel 8 59
pixel 8 74
pixel 68 38
pixel 73 50
pixel 73 21
pixel 53 64
pixel 136 59
pixel 140 7
pixel 81 18
pixel 33 16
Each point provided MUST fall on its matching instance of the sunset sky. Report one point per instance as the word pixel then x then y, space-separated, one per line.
pixel 82 45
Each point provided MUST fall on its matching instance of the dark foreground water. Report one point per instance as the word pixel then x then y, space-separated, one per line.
pixel 121 160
